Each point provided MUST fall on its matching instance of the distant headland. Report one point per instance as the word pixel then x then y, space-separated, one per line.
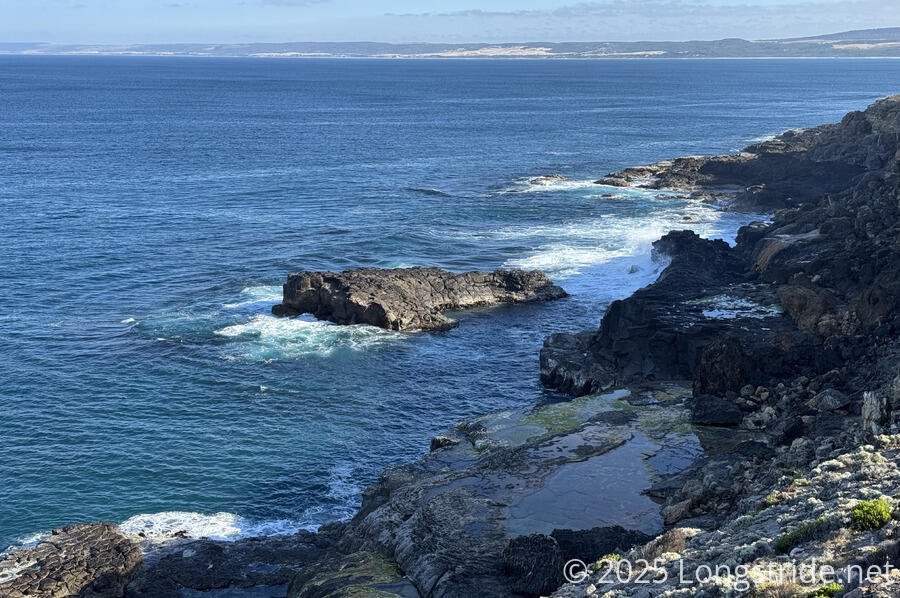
pixel 865 43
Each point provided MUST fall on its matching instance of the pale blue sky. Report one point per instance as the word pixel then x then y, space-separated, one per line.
pixel 147 21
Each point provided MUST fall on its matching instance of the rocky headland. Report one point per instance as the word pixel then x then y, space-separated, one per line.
pixel 748 401
pixel 408 298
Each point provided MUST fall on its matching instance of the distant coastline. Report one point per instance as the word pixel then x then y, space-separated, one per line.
pixel 870 43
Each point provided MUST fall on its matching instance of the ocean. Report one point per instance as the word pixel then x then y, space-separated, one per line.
pixel 152 207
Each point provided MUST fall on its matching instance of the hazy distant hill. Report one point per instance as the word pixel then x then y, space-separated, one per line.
pixel 868 42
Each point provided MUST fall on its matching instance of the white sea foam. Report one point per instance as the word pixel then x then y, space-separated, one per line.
pixel 762 138
pixel 128 321
pixel 23 542
pixel 728 307
pixel 260 294
pixel 218 526
pixel 266 338
pixel 544 184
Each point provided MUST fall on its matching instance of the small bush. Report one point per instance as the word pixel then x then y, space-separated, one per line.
pixel 870 514
pixel 777 590
pixel 829 591
pixel 606 560
pixel 772 499
pixel 807 532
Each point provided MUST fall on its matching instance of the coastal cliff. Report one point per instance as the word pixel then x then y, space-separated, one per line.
pixel 752 392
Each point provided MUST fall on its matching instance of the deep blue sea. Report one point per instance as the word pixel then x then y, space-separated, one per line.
pixel 151 208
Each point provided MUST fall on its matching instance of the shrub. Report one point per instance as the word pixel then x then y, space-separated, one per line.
pixel 870 514
pixel 772 499
pixel 607 559
pixel 777 590
pixel 802 534
pixel 829 591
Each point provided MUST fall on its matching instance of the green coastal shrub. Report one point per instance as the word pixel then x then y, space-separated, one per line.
pixel 870 514
pixel 829 591
pixel 607 560
pixel 802 534
pixel 777 590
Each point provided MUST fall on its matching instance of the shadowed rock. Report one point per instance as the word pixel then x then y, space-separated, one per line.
pixel 408 298
pixel 534 565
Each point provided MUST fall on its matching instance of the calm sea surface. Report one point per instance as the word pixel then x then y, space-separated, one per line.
pixel 151 207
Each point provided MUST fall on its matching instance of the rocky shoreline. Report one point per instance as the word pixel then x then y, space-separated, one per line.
pixel 752 392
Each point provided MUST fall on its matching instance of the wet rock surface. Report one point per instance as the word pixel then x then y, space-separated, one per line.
pixel 408 298
pixel 454 522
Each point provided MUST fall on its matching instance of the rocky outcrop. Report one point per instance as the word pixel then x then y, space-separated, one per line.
pixel 408 298
pixel 89 561
pixel 257 566
pixel 97 561
pixel 819 351
pixel 793 168
pixel 476 517
pixel 661 331
pixel 801 289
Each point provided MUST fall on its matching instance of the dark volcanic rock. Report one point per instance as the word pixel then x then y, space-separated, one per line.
pixel 830 263
pixel 590 544
pixel 660 332
pixel 408 298
pixel 204 565
pixel 708 410
pixel 534 565
pixel 723 367
pixel 350 576
pixel 89 561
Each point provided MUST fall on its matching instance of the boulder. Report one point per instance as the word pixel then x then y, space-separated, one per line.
pixel 408 298
pixel 829 400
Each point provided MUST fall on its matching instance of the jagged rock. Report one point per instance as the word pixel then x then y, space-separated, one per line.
pixel 829 400
pixel 265 563
pixel 660 332
pixel 723 367
pixel 442 441
pixel 707 410
pixel 408 298
pixel 591 544
pixel 89 561
pixel 534 565
pixel 876 413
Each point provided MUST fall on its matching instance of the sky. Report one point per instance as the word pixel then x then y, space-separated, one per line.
pixel 242 21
